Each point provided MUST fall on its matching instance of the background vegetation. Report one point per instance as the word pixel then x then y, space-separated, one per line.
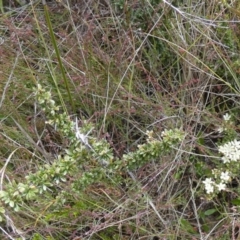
pixel 125 72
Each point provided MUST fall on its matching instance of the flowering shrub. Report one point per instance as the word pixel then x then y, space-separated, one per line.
pixel 86 160
pixel 228 166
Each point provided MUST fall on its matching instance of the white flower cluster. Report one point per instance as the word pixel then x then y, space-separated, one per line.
pixel 211 185
pixel 230 151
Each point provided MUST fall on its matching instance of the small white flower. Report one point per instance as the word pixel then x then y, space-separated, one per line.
pixel 225 177
pixel 226 160
pixel 220 129
pixel 226 117
pixel 221 186
pixel 209 185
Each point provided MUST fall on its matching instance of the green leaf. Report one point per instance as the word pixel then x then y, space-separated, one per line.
pixel 210 212
pixel 1 6
pixel 21 187
pixel 16 208
pixel 186 225
pixel 11 204
pixel 3 194
pixel 2 210
pixel 236 202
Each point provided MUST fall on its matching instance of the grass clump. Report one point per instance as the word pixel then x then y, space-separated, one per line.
pixel 117 118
